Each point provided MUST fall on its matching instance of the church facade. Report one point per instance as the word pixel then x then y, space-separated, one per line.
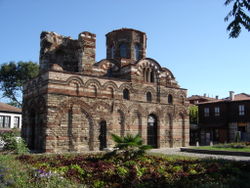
pixel 76 103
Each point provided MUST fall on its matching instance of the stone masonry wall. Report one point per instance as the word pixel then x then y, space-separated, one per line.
pixel 75 103
pixel 75 106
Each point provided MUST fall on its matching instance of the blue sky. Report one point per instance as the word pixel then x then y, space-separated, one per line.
pixel 188 37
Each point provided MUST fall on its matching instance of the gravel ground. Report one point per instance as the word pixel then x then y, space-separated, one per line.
pixel 176 151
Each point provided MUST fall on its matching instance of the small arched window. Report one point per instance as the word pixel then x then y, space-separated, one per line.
pixel 137 52
pixel 144 74
pixel 123 50
pixel 126 94
pixel 170 99
pixel 149 97
pixel 147 75
pixel 152 76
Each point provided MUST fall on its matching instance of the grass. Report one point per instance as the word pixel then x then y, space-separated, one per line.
pixel 239 147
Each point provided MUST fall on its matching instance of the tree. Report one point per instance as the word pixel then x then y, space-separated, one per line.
pixel 193 114
pixel 240 18
pixel 12 78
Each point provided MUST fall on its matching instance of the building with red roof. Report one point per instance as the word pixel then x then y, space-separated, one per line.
pixel 221 120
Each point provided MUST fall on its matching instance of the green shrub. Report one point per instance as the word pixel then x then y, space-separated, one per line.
pixel 129 147
pixel 12 143
pixel 98 184
pixel 122 171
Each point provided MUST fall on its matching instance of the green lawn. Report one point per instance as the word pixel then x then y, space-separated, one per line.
pixel 240 147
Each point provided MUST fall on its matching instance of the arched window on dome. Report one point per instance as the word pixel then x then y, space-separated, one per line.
pixel 144 74
pixel 149 97
pixel 152 76
pixel 147 75
pixel 123 50
pixel 137 52
pixel 126 94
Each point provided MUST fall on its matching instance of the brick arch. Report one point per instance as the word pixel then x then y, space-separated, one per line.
pixel 127 86
pixel 168 73
pixel 181 94
pixel 38 103
pixel 183 111
pixel 149 89
pixel 171 92
pixel 94 82
pixel 64 106
pixel 157 111
pixel 65 109
pixel 33 129
pixel 149 70
pixel 137 107
pixel 76 79
pixel 110 84
pixel 147 63
pixel 168 109
pixel 121 106
pixel 101 104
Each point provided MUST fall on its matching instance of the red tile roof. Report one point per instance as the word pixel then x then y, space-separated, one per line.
pixel 196 97
pixel 8 108
pixel 237 97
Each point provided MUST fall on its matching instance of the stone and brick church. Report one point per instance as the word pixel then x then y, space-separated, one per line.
pixel 76 103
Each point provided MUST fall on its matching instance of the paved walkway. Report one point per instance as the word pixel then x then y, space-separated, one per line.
pixel 176 151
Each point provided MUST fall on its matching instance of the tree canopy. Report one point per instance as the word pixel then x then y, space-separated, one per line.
pixel 193 114
pixel 239 15
pixel 12 78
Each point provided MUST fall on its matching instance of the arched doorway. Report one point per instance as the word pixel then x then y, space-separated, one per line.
pixel 103 135
pixel 152 131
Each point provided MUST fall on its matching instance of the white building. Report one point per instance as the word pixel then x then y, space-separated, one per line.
pixel 10 117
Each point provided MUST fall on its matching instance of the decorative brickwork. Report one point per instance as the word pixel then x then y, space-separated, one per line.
pixel 76 103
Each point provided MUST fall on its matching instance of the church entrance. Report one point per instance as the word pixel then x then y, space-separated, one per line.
pixel 152 131
pixel 103 135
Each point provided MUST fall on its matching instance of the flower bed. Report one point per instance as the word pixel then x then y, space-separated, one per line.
pixel 147 171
